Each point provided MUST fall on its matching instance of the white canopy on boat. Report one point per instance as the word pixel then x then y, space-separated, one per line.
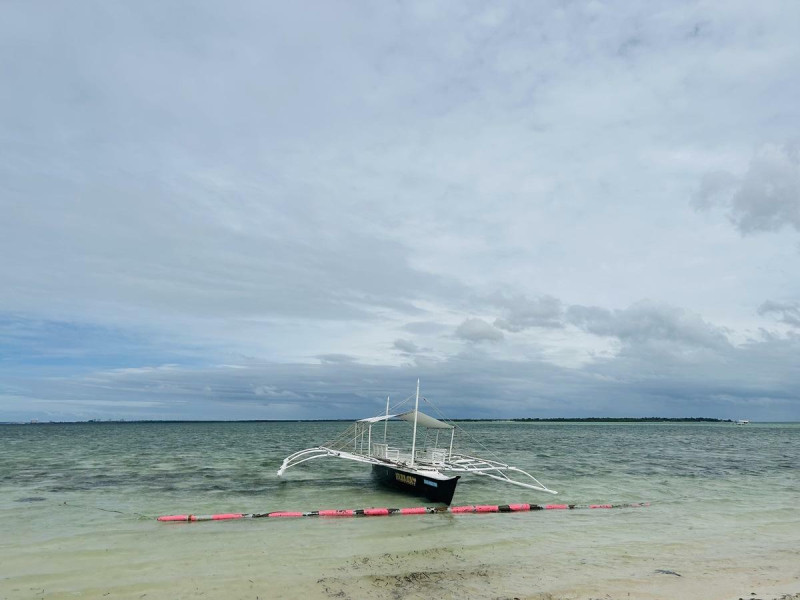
pixel 422 419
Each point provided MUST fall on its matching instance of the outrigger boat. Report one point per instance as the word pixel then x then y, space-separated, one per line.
pixel 429 470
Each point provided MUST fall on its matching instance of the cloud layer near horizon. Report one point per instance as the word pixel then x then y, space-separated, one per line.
pixel 260 211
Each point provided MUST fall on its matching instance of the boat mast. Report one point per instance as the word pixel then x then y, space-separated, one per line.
pixel 386 421
pixel 414 439
pixel 452 437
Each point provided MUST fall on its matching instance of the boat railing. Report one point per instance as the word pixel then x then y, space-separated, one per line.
pixel 434 456
pixel 379 450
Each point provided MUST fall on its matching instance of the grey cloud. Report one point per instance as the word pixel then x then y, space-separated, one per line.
pixel 425 327
pixel 769 195
pixel 125 203
pixel 766 198
pixel 522 313
pixel 270 391
pixel 647 322
pixel 785 312
pixel 478 330
pixel 715 189
pixel 150 255
pixel 758 380
pixel 336 358
pixel 406 346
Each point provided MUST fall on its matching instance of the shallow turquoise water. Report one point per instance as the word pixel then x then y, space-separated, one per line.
pixel 77 504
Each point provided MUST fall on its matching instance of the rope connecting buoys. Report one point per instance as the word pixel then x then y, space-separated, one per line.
pixel 385 512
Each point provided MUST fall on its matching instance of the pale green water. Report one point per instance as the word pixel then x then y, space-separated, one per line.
pixel 77 504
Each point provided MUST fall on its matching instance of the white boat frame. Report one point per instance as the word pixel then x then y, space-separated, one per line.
pixel 430 461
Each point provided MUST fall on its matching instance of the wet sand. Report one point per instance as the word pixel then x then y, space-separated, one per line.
pixel 489 581
pixel 294 560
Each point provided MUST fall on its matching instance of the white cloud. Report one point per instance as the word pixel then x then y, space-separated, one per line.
pixel 338 191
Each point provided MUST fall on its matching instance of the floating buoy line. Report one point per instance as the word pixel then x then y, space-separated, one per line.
pixel 385 512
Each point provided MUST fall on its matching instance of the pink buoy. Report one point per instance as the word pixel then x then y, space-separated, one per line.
pixel 418 510
pixel 376 512
pixel 379 512
pixel 174 518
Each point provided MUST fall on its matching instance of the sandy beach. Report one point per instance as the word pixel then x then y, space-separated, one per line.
pixel 416 557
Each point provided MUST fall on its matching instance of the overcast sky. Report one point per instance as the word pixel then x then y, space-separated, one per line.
pixel 269 210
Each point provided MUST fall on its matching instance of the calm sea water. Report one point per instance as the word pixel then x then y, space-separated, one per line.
pixel 78 503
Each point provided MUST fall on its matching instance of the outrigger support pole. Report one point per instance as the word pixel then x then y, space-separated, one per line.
pixel 414 439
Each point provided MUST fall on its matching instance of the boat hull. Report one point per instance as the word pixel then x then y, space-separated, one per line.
pixel 416 484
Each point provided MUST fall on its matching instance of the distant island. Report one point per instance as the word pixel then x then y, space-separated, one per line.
pixel 615 420
pixel 496 420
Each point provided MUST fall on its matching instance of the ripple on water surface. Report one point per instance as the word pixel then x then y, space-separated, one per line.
pixel 75 496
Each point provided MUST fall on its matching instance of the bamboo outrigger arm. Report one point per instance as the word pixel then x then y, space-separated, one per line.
pixel 457 463
pixel 460 463
pixel 320 452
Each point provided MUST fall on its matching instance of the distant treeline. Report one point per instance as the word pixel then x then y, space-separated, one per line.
pixel 610 420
